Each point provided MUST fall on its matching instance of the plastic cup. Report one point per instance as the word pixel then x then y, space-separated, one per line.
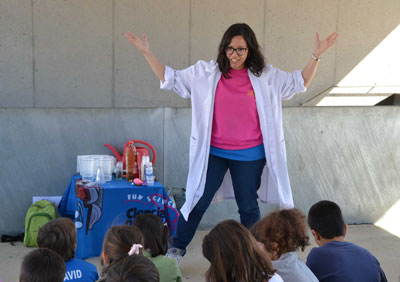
pixel 87 169
pixel 107 164
pixel 100 176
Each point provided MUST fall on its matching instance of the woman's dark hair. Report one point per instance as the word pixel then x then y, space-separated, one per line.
pixel 42 265
pixel 326 218
pixel 58 235
pixel 119 240
pixel 234 255
pixel 154 231
pixel 255 61
pixel 282 231
pixel 134 268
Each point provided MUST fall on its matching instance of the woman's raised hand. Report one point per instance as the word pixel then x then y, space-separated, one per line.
pixel 141 44
pixel 321 46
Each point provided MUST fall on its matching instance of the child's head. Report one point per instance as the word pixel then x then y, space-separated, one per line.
pixel 325 217
pixel 234 255
pixel 135 268
pixel 282 231
pixel 155 233
pixel 119 241
pixel 58 235
pixel 42 265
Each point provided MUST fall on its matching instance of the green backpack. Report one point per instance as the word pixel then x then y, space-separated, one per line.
pixel 38 214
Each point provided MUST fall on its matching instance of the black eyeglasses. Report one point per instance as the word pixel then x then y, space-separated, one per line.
pixel 240 51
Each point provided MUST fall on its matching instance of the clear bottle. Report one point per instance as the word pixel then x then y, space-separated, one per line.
pixel 145 159
pixel 148 170
pixel 130 159
pixel 118 171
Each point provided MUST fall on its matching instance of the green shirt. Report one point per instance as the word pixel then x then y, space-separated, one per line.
pixel 167 267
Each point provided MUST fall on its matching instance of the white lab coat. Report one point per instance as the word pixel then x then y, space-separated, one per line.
pixel 199 83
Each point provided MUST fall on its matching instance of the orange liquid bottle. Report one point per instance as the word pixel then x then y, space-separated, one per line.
pixel 130 160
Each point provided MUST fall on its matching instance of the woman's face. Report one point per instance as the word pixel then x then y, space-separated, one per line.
pixel 237 52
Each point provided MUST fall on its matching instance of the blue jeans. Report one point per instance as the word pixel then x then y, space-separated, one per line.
pixel 246 179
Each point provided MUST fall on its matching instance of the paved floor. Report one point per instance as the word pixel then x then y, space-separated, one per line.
pixel 385 246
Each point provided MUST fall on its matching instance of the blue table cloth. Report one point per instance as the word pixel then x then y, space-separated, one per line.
pixel 96 209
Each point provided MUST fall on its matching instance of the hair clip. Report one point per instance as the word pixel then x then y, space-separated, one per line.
pixel 135 249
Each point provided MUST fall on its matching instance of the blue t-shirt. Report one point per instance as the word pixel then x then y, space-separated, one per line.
pixel 80 270
pixel 343 261
pixel 249 154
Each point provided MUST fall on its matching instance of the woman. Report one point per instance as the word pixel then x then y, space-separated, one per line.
pixel 236 126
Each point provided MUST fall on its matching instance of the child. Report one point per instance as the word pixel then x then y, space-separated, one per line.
pixel 120 241
pixel 281 234
pixel 59 235
pixel 156 241
pixel 134 268
pixel 42 265
pixel 234 255
pixel 335 259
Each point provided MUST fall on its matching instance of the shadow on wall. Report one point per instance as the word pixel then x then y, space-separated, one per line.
pixel 369 75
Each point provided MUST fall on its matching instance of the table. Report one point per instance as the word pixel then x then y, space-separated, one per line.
pixel 95 209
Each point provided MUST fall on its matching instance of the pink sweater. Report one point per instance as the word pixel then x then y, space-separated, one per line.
pixel 235 123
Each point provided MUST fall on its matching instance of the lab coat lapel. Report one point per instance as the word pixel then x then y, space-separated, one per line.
pixel 264 108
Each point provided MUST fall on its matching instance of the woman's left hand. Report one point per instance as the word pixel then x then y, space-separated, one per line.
pixel 321 46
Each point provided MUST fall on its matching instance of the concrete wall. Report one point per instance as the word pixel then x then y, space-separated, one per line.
pixel 70 82
pixel 63 54
pixel 349 155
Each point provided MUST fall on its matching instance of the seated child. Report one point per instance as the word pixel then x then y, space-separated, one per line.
pixel 156 235
pixel 234 255
pixel 281 234
pixel 59 235
pixel 335 259
pixel 120 242
pixel 134 268
pixel 42 265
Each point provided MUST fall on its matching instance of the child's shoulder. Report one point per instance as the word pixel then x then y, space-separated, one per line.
pixel 165 260
pixel 337 248
pixel 79 262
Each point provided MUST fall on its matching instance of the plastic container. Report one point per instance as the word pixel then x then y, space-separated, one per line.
pixel 148 171
pixel 118 170
pixel 107 165
pixel 100 179
pixel 150 180
pixel 145 159
pixel 88 169
pixel 130 159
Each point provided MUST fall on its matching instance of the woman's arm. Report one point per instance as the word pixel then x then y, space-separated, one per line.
pixel 320 47
pixel 143 46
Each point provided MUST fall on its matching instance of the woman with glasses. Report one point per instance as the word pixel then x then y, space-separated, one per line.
pixel 236 126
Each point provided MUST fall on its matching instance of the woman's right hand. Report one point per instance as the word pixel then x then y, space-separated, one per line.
pixel 141 44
